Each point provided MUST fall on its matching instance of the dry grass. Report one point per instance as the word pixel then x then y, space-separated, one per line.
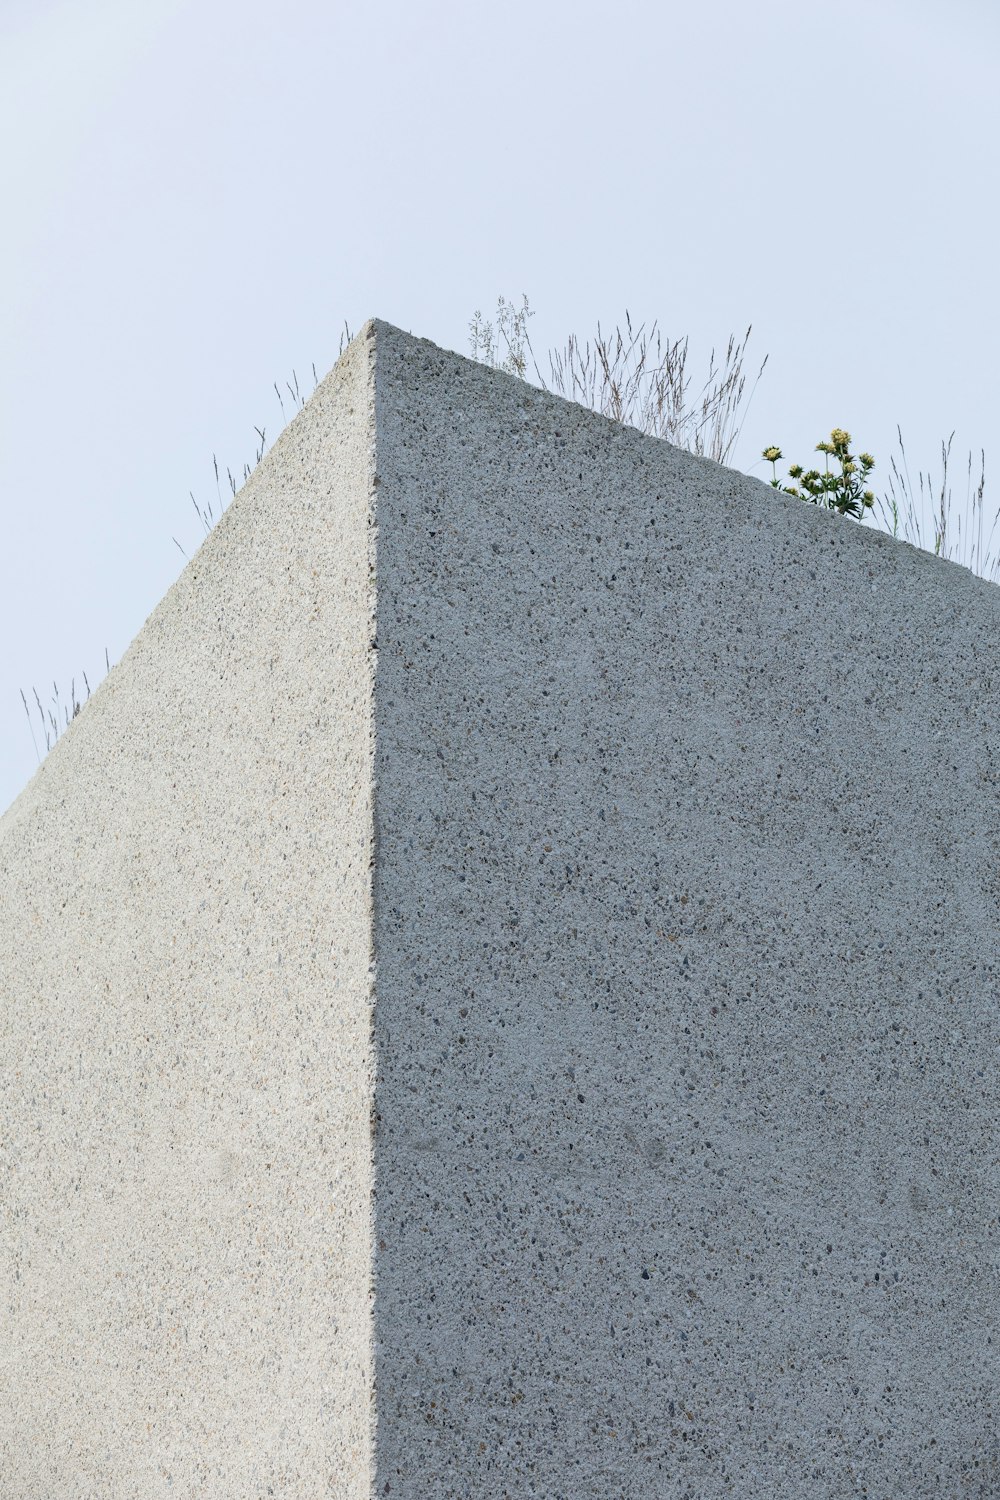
pixel 640 378
pixel 56 714
pixel 634 375
pixel 925 514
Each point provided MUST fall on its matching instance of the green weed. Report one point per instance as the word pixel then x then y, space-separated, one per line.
pixel 840 488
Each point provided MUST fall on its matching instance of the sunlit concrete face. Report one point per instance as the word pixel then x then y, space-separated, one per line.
pixel 525 1016
pixel 185 1131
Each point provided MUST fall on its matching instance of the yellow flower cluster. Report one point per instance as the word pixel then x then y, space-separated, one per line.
pixel 841 492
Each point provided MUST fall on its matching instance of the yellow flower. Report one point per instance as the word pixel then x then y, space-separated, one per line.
pixel 772 455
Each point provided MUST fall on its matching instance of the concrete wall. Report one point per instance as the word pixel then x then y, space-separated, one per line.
pixel 687 1019
pixel 667 808
pixel 185 1137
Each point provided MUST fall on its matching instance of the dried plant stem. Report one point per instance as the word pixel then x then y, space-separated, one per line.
pixel 924 513
pixel 57 715
pixel 633 376
pixel 641 379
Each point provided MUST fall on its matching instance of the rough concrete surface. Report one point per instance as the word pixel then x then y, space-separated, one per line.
pixel 666 808
pixel 185 1132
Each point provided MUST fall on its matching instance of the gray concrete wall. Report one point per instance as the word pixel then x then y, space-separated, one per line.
pixel 185 1024
pixel 665 808
pixel 686 915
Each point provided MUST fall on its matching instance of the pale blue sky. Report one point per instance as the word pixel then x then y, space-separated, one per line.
pixel 197 195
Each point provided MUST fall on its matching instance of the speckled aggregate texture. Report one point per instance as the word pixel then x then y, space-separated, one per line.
pixel 545 1049
pixel 185 1022
pixel 687 1018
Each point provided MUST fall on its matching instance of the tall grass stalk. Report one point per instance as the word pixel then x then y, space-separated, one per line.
pixel 634 375
pixel 56 714
pixel 638 377
pixel 925 514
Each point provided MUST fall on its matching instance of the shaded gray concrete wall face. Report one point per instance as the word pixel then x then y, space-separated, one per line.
pixel 546 1046
pixel 686 915
pixel 185 1134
